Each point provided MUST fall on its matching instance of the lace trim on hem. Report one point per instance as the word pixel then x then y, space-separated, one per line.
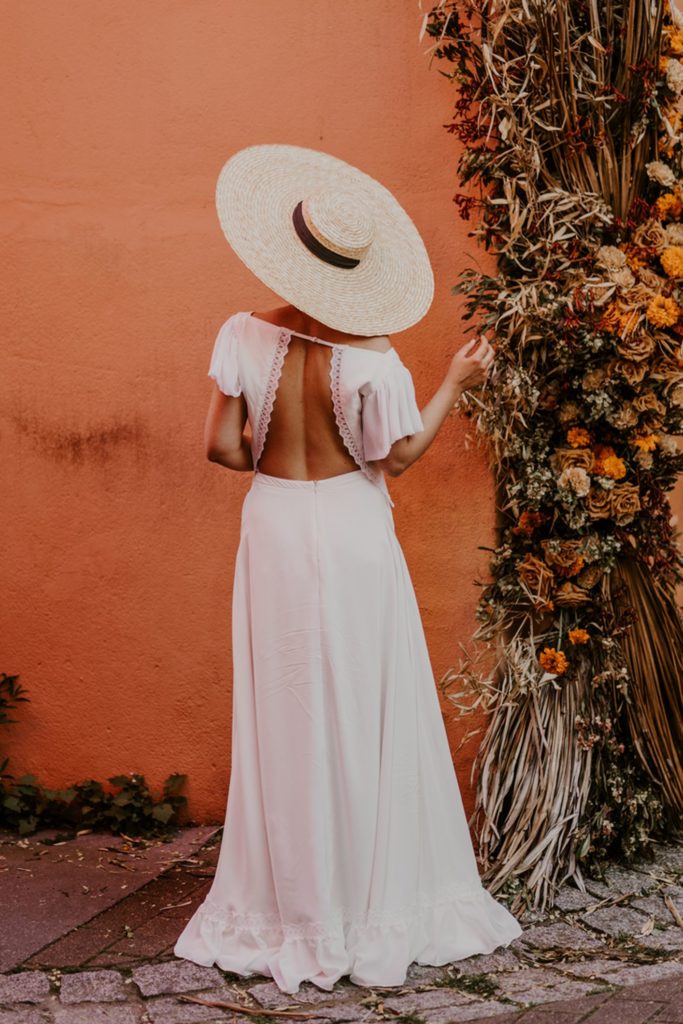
pixel 212 911
pixel 269 399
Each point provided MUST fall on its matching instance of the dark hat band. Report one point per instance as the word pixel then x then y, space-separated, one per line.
pixel 316 247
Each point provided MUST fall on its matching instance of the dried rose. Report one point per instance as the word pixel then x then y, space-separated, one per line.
pixel 561 553
pixel 636 347
pixel 648 400
pixel 563 458
pixel 537 576
pixel 650 280
pixel 569 595
pixel 625 501
pixel 632 372
pixel 650 235
pixel 599 503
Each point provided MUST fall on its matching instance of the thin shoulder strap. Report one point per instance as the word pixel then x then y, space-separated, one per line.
pixel 310 337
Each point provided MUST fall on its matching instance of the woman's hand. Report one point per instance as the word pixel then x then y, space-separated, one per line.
pixel 467 369
pixel 470 363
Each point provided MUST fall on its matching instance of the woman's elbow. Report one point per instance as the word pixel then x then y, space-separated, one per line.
pixel 393 464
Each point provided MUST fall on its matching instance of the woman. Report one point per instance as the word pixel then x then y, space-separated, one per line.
pixel 346 849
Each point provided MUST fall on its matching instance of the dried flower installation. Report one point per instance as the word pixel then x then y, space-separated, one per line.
pixel 569 114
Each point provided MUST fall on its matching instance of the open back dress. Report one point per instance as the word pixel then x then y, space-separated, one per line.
pixel 346 849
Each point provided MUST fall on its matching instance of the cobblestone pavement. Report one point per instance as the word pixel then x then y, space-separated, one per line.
pixel 611 954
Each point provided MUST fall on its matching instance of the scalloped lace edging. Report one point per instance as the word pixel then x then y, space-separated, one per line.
pixel 212 911
pixel 271 389
pixel 343 427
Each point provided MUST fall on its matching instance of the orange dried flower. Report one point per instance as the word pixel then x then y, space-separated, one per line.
pixel 553 661
pixel 663 311
pixel 674 42
pixel 669 205
pixel 613 467
pixel 575 567
pixel 606 462
pixel 647 443
pixel 579 636
pixel 610 319
pixel 672 261
pixel 634 257
pixel 577 437
pixel 528 522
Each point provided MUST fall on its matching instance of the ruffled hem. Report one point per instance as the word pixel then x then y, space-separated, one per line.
pixel 373 953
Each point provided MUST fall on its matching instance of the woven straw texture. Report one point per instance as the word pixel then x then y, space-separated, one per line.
pixel 393 285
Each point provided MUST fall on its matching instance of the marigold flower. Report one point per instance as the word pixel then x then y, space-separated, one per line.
pixel 553 661
pixel 672 261
pixel 579 636
pixel 674 41
pixel 647 443
pixel 577 437
pixel 669 205
pixel 528 522
pixel 613 467
pixel 663 311
pixel 610 319
pixel 634 257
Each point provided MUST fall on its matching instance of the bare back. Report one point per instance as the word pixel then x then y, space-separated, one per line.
pixel 303 440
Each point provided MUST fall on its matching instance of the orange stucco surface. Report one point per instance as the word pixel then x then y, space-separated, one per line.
pixel 119 535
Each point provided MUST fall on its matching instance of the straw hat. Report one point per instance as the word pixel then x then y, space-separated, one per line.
pixel 326 237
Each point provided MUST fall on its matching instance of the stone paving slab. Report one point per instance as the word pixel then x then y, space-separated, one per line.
pixel 46 890
pixel 172 895
pixel 596 957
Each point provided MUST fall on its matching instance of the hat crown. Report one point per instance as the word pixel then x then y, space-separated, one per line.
pixel 340 220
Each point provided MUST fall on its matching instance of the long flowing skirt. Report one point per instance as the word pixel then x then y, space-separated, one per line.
pixel 345 849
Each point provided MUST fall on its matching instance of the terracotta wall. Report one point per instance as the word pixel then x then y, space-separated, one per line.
pixel 120 535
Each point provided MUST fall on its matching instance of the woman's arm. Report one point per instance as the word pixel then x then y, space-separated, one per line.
pixel 467 369
pixel 224 438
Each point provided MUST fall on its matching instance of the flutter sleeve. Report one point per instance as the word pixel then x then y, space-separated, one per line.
pixel 224 364
pixel 389 412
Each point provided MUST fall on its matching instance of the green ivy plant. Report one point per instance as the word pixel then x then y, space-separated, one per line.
pixel 131 809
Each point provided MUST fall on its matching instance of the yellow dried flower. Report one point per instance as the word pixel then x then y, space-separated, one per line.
pixel 577 437
pixel 647 443
pixel 672 261
pixel 579 636
pixel 613 467
pixel 609 321
pixel 669 205
pixel 674 42
pixel 553 661
pixel 663 311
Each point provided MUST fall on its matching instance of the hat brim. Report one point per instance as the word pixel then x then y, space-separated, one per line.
pixel 393 285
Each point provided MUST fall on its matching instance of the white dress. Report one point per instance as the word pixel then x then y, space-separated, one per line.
pixel 345 849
